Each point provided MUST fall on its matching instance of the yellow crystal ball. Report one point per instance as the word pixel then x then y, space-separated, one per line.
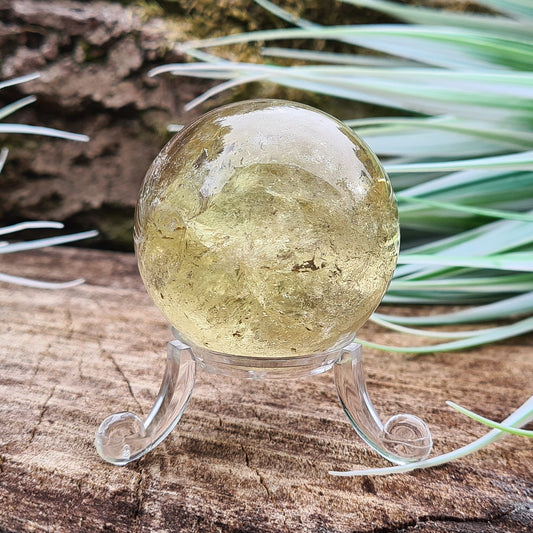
pixel 268 229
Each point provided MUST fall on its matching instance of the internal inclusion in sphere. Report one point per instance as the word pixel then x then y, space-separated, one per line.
pixel 268 229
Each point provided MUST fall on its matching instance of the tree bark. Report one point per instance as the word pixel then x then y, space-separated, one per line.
pixel 247 455
pixel 93 59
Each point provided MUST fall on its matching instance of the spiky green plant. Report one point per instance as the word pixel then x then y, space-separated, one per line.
pixel 461 162
pixel 6 247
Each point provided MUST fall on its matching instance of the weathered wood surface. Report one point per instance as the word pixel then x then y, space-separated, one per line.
pixel 247 456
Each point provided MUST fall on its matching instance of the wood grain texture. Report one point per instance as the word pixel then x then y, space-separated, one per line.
pixel 247 456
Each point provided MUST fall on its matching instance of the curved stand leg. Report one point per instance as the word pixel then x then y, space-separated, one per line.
pixel 403 439
pixel 124 437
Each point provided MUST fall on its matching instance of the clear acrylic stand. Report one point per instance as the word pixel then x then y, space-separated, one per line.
pixel 123 437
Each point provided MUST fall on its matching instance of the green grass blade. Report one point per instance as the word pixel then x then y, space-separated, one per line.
pixel 430 334
pixel 491 238
pixel 20 79
pixel 493 213
pixel 502 309
pixel 3 157
pixel 451 182
pixel 493 25
pixel 483 130
pixel 432 298
pixel 515 8
pixel 411 95
pixel 452 48
pixel 428 16
pixel 36 284
pixel 484 285
pixel 518 261
pixel 487 240
pixel 441 17
pixel 15 106
pixel 51 241
pixel 39 130
pixel 39 224
pixel 415 145
pixel 220 88
pixel 202 55
pixel 517 161
pixel 491 423
pixel 492 335
pixel 285 15
pixel 337 58
pixel 522 416
pixel 468 205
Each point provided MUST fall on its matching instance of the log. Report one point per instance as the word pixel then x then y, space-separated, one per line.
pixel 247 455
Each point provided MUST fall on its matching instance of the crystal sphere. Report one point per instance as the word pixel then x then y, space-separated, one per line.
pixel 266 228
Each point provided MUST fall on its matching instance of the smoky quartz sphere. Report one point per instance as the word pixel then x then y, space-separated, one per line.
pixel 267 229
